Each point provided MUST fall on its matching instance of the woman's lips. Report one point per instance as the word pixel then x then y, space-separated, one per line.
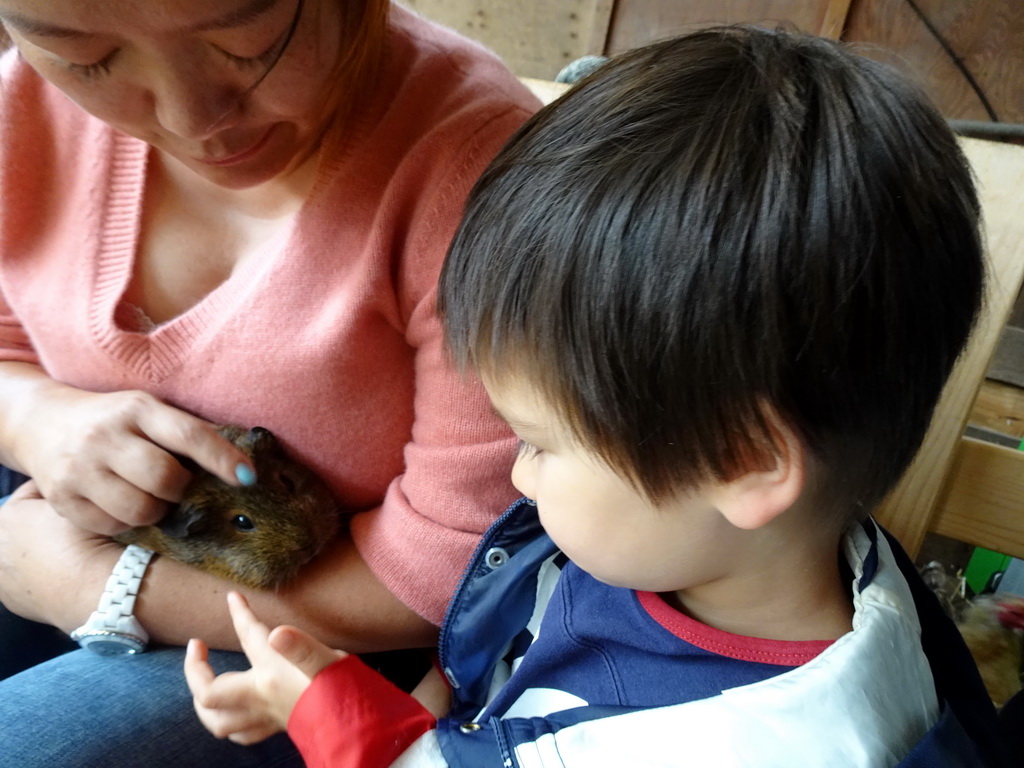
pixel 238 157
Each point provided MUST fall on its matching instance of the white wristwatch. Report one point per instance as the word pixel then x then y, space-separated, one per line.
pixel 112 630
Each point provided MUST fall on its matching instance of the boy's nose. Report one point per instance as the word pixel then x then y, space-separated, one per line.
pixel 522 477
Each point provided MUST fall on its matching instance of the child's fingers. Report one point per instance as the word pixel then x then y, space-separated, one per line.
pixel 252 633
pixel 253 735
pixel 304 651
pixel 239 727
pixel 210 691
pixel 198 672
pixel 227 705
pixel 231 690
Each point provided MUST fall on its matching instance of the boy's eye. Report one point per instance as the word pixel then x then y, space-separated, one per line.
pixel 528 450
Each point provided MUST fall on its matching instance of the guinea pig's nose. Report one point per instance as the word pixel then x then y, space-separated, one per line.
pixel 259 433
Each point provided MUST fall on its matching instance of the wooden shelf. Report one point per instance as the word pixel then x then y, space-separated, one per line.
pixel 999 407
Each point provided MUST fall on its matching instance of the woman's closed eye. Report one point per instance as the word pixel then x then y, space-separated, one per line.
pixel 94 70
pixel 249 62
pixel 271 55
pixel 259 61
pixel 102 67
pixel 263 60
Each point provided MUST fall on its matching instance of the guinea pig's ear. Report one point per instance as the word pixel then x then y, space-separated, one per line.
pixel 179 521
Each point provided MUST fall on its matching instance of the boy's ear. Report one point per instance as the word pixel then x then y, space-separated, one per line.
pixel 756 497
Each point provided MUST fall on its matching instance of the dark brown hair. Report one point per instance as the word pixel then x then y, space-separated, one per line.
pixel 711 229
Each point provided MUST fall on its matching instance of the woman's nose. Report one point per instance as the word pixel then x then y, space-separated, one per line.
pixel 193 104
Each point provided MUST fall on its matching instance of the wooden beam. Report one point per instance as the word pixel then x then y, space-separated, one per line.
pixel 984 504
pixel 604 10
pixel 1000 408
pixel 535 38
pixel 834 21
pixel 545 90
pixel 1008 363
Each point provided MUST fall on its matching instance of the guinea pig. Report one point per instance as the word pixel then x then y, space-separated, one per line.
pixel 258 535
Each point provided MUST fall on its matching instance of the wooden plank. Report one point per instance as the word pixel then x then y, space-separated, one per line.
pixel 1008 361
pixel 834 21
pixel 1017 316
pixel 602 23
pixel 545 90
pixel 984 504
pixel 1000 408
pixel 988 35
pixel 909 509
pixel 637 22
pixel 535 38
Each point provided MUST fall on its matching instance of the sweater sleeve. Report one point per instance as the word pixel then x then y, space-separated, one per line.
pixel 352 717
pixel 14 342
pixel 458 462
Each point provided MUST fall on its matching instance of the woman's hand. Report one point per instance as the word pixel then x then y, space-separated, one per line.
pixel 248 707
pixel 107 462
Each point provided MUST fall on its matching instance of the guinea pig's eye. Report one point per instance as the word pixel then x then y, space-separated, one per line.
pixel 243 523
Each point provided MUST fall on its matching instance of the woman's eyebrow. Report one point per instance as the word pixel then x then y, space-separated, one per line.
pixel 250 11
pixel 29 26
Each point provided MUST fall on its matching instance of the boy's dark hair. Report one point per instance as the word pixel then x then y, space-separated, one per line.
pixel 716 231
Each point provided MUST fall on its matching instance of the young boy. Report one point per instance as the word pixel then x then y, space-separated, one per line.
pixel 716 290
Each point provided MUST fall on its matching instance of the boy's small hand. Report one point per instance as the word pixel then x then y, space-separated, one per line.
pixel 247 707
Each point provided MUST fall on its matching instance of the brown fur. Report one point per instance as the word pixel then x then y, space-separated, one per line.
pixel 996 647
pixel 992 628
pixel 258 536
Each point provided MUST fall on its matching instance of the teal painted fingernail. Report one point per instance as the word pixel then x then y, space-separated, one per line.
pixel 245 475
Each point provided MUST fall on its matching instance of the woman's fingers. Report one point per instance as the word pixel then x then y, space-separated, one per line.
pixel 186 435
pixel 113 461
pixel 150 468
pixel 108 505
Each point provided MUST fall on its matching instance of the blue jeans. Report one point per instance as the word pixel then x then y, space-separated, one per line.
pixel 81 710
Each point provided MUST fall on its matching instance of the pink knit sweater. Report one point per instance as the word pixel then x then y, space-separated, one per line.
pixel 332 341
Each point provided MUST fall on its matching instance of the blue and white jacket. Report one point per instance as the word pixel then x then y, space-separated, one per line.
pixel 549 667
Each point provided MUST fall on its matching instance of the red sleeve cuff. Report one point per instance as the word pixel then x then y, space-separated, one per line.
pixel 352 717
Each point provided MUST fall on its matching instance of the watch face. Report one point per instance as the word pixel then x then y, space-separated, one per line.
pixel 110 644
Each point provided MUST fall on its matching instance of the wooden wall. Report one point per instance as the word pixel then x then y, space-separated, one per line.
pixel 639 21
pixel 535 37
pixel 538 37
pixel 987 35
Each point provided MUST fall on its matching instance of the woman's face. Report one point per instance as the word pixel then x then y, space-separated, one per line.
pixel 178 74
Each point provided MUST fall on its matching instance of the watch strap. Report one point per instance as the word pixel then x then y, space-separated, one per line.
pixel 115 612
